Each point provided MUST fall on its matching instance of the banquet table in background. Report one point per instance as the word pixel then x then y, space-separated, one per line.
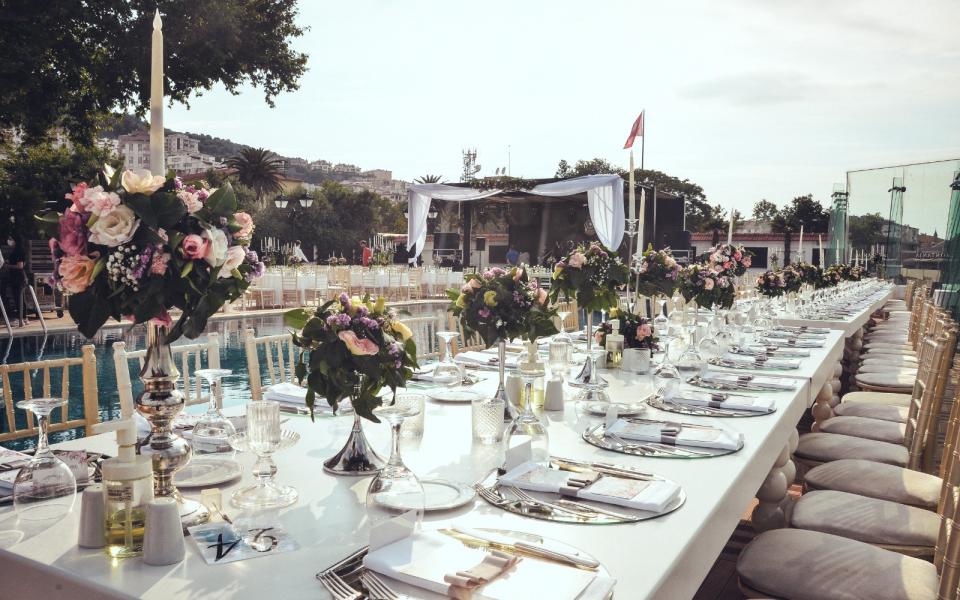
pixel 666 557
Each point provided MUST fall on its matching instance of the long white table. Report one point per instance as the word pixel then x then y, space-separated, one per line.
pixel 849 325
pixel 666 557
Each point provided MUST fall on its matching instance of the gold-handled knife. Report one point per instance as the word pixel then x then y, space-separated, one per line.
pixel 493 541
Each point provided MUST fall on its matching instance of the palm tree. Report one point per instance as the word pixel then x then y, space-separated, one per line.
pixel 428 179
pixel 258 169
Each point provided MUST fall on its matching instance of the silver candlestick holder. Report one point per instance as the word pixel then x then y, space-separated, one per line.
pixel 632 230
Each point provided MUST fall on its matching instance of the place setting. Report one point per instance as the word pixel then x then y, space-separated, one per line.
pixel 726 382
pixel 761 362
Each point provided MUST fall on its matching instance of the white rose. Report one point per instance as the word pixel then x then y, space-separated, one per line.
pixel 217 250
pixel 140 181
pixel 190 200
pixel 235 256
pixel 115 228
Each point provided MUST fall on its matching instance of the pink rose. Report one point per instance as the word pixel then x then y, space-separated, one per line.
pixel 75 272
pixel 644 331
pixel 728 265
pixel 598 337
pixel 577 260
pixel 190 200
pixel 76 195
pixel 163 319
pixel 245 222
pixel 542 296
pixel 194 246
pixel 737 255
pixel 475 284
pixel 708 284
pixel 466 288
pixel 357 346
pixel 746 261
pixel 73 234
pixel 98 201
pixel 158 266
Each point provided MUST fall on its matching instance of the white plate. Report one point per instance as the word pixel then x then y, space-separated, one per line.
pixel 206 471
pixel 452 395
pixel 439 495
pixel 630 409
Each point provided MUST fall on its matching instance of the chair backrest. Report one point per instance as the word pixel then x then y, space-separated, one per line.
pixel 424 335
pixel 463 343
pixel 947 550
pixel 280 358
pixel 43 373
pixel 187 357
pixel 572 321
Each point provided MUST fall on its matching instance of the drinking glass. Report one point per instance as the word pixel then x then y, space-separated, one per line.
pixel 563 335
pixel 264 438
pixel 212 431
pixel 447 372
pixel 413 426
pixel 45 488
pixel 660 321
pixel 691 360
pixel 558 358
pixel 666 376
pixel 526 427
pixel 487 419
pixel 395 489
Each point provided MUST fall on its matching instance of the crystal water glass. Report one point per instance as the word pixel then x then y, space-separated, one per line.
pixel 264 437
pixel 661 321
pixel 212 431
pixel 486 414
pixel 563 335
pixel 558 358
pixel 666 376
pixel 527 427
pixel 413 425
pixel 395 489
pixel 447 372
pixel 45 488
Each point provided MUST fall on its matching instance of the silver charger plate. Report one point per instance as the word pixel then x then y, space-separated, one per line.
pixel 207 471
pixel 439 495
pixel 698 381
pixel 624 409
pixel 594 436
pixel 628 515
pixel 754 366
pixel 452 395
pixel 351 568
pixel 658 403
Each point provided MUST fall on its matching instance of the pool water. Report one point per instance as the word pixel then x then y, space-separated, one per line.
pixel 236 388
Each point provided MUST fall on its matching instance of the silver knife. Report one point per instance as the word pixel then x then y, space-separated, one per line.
pixel 502 543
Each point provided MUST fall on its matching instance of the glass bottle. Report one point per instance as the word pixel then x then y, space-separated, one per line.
pixel 127 488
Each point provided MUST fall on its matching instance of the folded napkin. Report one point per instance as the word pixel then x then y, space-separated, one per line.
pixel 432 560
pixel 778 383
pixel 695 398
pixel 793 343
pixel 712 437
pixel 777 333
pixel 769 363
pixel 294 395
pixel 653 495
pixel 778 351
pixel 805 329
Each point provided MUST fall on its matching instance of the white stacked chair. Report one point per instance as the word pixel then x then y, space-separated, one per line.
pixel 280 359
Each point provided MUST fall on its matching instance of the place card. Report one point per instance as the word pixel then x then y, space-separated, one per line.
pixel 221 543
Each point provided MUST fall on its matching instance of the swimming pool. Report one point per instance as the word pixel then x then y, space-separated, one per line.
pixel 232 356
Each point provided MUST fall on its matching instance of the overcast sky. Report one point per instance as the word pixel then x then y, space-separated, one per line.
pixel 750 99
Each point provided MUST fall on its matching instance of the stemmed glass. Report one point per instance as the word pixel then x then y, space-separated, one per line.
pixel 666 376
pixel 526 427
pixel 45 489
pixel 264 438
pixel 211 432
pixel 395 489
pixel 447 372
pixel 660 321
pixel 559 358
pixel 563 335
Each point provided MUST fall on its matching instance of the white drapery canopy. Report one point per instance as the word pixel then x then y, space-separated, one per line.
pixel 604 200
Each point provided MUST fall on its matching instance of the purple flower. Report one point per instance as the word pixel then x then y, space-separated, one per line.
pixel 362 311
pixel 484 313
pixel 395 349
pixel 202 195
pixel 177 183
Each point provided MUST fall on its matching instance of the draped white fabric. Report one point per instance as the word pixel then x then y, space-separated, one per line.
pixel 604 199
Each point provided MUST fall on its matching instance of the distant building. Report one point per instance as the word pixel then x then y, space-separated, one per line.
pixel 323 166
pixel 181 153
pixel 381 176
pixel 134 148
pixel 110 144
pixel 345 168
pixel 178 143
pixel 392 189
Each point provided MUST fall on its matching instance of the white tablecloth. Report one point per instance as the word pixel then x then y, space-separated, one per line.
pixel 849 326
pixel 274 281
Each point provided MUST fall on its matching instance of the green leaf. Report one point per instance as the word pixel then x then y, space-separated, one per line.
pixel 143 207
pixel 186 269
pixel 89 312
pixel 168 208
pixel 296 318
pixel 222 202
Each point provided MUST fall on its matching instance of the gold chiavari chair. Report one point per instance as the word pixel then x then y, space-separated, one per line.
pixel 572 321
pixel 279 358
pixel 425 336
pixel 187 357
pixel 29 376
pixel 463 343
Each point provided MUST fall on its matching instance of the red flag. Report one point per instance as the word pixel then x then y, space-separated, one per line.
pixel 637 130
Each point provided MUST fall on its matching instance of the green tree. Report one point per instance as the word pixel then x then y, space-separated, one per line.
pixel 35 178
pixel 805 211
pixel 866 230
pixel 70 63
pixel 429 179
pixel 764 210
pixel 258 169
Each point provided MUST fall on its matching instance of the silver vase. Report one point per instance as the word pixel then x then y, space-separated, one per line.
pixel 160 403
pixel 501 394
pixel 356 458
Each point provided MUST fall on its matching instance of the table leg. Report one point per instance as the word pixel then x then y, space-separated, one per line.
pixel 822 409
pixel 774 503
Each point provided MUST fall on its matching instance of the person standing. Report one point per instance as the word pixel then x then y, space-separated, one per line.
pixel 298 254
pixel 13 275
pixel 366 253
pixel 512 256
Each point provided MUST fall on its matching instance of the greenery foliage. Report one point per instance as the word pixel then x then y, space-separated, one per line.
pixel 591 275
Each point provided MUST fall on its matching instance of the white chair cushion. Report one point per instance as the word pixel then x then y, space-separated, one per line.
pixel 890 359
pixel 808 565
pixel 887 398
pixel 882 367
pixel 866 428
pixel 893 380
pixel 827 447
pixel 881 412
pixel 865 519
pixel 895 350
pixel 877 480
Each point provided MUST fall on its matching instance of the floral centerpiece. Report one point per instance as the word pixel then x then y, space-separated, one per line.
pixel 846 272
pixel 772 284
pixel 809 274
pixel 637 331
pixel 657 272
pixel 351 347
pixel 700 282
pixel 591 275
pixel 792 280
pixel 729 260
pixel 501 305
pixel 135 245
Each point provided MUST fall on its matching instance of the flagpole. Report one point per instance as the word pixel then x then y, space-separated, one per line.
pixel 643 139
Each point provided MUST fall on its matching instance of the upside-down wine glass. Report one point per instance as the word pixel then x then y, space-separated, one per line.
pixel 45 488
pixel 212 431
pixel 563 335
pixel 395 489
pixel 264 438
pixel 447 372
pixel 526 427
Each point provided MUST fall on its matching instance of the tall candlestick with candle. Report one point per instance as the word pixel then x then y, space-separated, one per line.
pixel 643 212
pixel 632 192
pixel 157 163
pixel 823 258
pixel 800 245
pixel 730 228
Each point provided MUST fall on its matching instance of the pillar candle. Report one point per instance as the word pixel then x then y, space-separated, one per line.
pixel 157 166
pixel 800 245
pixel 643 212
pixel 633 194
pixel 730 228
pixel 823 258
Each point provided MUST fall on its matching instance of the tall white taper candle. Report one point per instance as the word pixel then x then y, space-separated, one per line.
pixel 157 164
pixel 800 245
pixel 633 194
pixel 730 228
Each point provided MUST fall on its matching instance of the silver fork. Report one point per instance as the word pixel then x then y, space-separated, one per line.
pixel 338 588
pixel 377 586
pixel 528 499
pixel 490 496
